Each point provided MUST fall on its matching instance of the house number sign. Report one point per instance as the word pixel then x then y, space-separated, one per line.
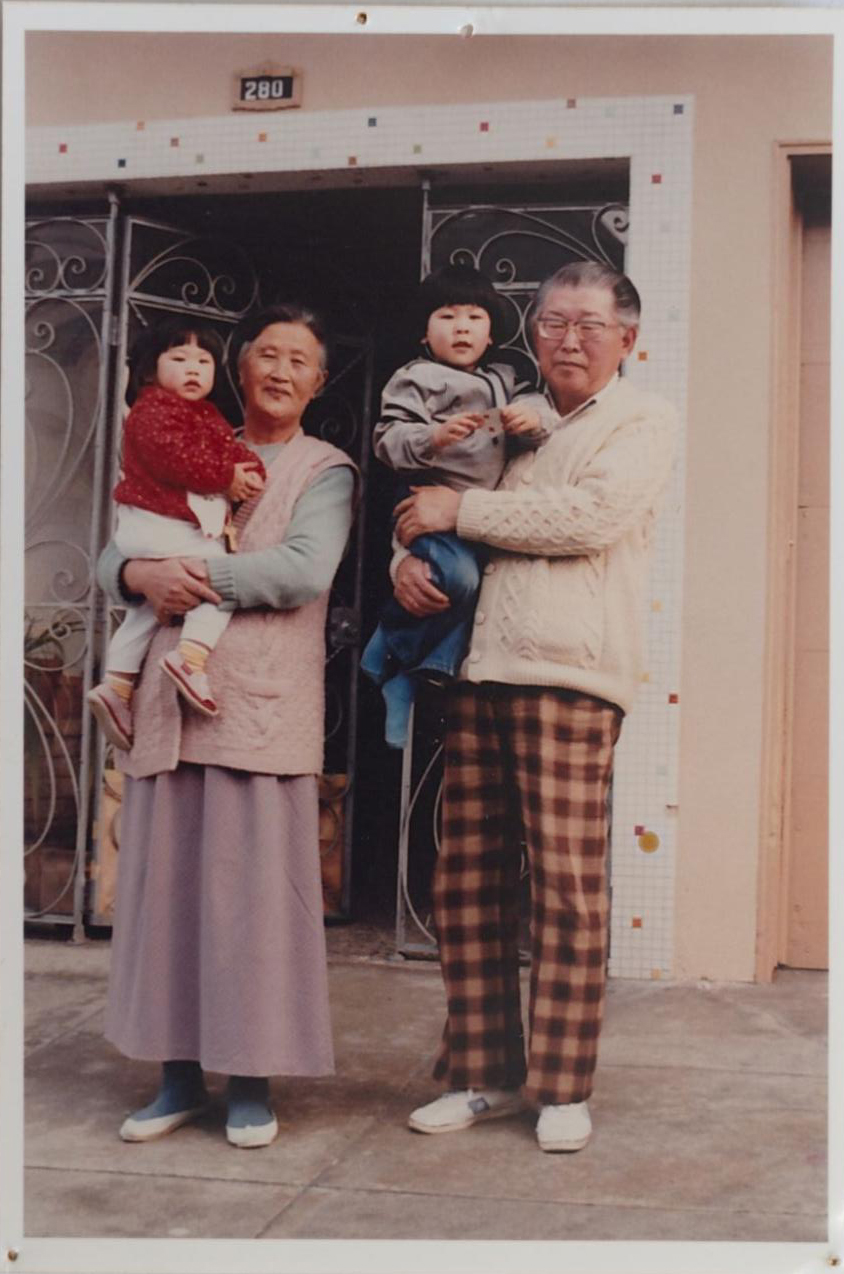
pixel 266 88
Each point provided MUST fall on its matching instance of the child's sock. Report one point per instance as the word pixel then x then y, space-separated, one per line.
pixel 194 654
pixel 122 683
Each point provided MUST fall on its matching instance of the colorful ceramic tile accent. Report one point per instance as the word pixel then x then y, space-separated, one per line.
pixel 656 605
pixel 417 149
pixel 174 141
pixel 121 163
pixel 353 159
pixel 484 127
pixel 372 122
pixel 140 126
pixel 639 829
pixel 636 922
pixel 63 148
pixel 571 103
pixel 200 159
pixel 262 137
pixel 673 698
pixel 646 676
pixel 656 179
pixel 678 108
pixel 550 143
pixel 656 974
pixel 648 842
pixel 643 355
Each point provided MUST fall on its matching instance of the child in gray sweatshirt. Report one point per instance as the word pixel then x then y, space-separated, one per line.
pixel 451 418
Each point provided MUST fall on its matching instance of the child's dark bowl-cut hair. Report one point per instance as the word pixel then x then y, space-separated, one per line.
pixel 459 285
pixel 155 341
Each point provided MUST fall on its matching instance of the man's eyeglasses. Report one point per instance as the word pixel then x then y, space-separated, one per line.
pixel 588 331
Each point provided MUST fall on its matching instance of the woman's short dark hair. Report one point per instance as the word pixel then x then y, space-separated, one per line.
pixel 458 285
pixel 283 312
pixel 590 274
pixel 155 341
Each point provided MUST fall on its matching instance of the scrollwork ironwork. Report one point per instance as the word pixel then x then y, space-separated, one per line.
pixel 202 274
pixel 65 255
pixel 587 234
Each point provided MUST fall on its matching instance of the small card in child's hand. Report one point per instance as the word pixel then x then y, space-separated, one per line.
pixel 492 421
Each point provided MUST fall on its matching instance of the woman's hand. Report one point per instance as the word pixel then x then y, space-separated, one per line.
pixel 246 482
pixel 415 591
pixel 172 585
pixel 428 509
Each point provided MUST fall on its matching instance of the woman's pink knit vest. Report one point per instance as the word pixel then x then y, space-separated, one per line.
pixel 267 671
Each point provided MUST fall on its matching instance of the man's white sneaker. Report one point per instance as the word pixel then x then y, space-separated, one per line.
pixel 564 1128
pixel 454 1111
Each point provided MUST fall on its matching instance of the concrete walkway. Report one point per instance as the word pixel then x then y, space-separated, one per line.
pixel 709 1112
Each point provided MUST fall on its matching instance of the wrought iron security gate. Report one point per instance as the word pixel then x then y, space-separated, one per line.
pixel 70 280
pixel 91 284
pixel 516 247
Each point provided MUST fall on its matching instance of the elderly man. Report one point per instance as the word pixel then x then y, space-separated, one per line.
pixel 554 662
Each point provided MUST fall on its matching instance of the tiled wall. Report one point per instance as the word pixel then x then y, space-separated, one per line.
pixel 655 134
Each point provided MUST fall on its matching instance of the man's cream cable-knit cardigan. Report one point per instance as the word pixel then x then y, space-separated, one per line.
pixel 562 602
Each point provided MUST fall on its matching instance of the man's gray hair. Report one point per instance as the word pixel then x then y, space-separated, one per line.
pixel 590 274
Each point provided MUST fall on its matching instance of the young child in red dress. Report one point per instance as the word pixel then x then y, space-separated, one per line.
pixel 181 466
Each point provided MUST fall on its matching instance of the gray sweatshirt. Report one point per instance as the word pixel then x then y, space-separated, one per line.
pixel 424 392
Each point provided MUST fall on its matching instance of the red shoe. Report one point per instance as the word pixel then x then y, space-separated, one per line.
pixel 112 715
pixel 191 685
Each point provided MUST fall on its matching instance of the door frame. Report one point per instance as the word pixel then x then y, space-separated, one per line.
pixel 781 582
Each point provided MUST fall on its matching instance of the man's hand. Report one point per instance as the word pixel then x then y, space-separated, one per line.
pixel 415 591
pixel 172 586
pixel 520 420
pixel 428 509
pixel 246 482
pixel 455 429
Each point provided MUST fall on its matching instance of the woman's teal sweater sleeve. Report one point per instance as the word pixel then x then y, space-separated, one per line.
pixel 283 576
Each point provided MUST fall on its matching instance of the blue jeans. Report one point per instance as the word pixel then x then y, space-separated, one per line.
pixel 403 646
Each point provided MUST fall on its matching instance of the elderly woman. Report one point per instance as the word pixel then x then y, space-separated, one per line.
pixel 554 663
pixel 218 957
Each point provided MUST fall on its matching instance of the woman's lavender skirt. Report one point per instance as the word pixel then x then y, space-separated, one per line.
pixel 219 945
